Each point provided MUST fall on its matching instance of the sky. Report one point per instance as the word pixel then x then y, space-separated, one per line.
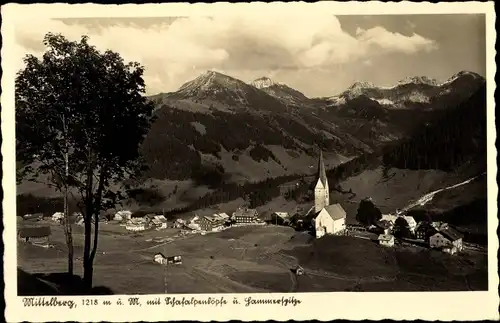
pixel 319 56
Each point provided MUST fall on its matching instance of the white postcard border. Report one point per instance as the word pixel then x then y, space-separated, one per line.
pixel 320 306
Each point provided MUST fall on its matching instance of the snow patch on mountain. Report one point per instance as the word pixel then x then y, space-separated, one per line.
pixel 358 88
pixel 337 100
pixel 418 80
pixel 384 101
pixel 417 97
pixel 262 82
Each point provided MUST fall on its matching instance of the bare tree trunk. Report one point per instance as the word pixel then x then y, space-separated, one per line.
pixel 89 211
pixel 67 225
pixel 97 208
pixel 87 263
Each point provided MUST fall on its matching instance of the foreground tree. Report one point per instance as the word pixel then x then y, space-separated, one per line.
pixel 80 119
pixel 368 213
pixel 402 228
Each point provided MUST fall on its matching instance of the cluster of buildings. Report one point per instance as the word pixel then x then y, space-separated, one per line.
pixel 441 236
pixel 437 235
pixel 147 222
pixel 208 223
pixel 330 219
pixel 325 219
pixel 220 221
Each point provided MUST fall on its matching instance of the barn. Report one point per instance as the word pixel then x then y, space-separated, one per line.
pixel 36 235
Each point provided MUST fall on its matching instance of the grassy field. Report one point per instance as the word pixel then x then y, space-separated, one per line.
pixel 255 259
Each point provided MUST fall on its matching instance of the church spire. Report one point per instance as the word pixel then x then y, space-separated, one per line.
pixel 321 169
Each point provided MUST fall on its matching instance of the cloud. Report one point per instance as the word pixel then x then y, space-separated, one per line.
pixel 175 51
pixel 394 42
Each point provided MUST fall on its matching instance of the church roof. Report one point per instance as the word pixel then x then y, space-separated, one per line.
pixel 336 211
pixel 321 169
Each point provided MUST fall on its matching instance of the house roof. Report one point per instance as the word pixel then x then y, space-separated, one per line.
pixel 211 218
pixel 124 213
pixel 34 232
pixel 135 222
pixel 283 215
pixel 384 224
pixel 426 226
pixel 389 217
pixel 33 216
pixel 336 211
pixel 385 237
pixel 321 169
pixel 451 234
pixel 411 220
pixel 437 224
pixel 161 218
pixel 159 254
pixel 223 215
pixel 266 215
pixel 245 212
pixel 219 217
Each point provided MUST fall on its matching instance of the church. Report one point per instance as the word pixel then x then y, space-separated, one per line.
pixel 329 218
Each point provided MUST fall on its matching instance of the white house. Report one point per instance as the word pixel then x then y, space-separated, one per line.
pixel 386 240
pixel 330 220
pixel 194 226
pixel 160 222
pixel 389 217
pixel 58 216
pixel 447 239
pixel 160 258
pixel 136 225
pixel 122 215
pixel 411 223
pixel 224 216
pixel 80 221
pixel 179 223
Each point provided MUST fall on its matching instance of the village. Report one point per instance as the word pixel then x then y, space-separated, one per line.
pixel 320 220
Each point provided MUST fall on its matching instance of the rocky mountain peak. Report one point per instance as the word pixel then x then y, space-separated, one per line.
pixel 262 82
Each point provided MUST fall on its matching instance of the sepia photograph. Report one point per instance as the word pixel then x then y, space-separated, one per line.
pixel 251 154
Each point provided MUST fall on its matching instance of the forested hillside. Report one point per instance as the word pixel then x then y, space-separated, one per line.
pixel 459 136
pixel 176 139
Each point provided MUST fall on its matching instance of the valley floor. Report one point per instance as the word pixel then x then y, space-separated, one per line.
pixel 252 260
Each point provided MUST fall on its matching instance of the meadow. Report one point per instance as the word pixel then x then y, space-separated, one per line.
pixel 251 259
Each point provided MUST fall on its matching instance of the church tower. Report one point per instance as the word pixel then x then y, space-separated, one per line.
pixel 321 191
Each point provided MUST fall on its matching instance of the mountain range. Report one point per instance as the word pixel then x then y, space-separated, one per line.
pixel 252 131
